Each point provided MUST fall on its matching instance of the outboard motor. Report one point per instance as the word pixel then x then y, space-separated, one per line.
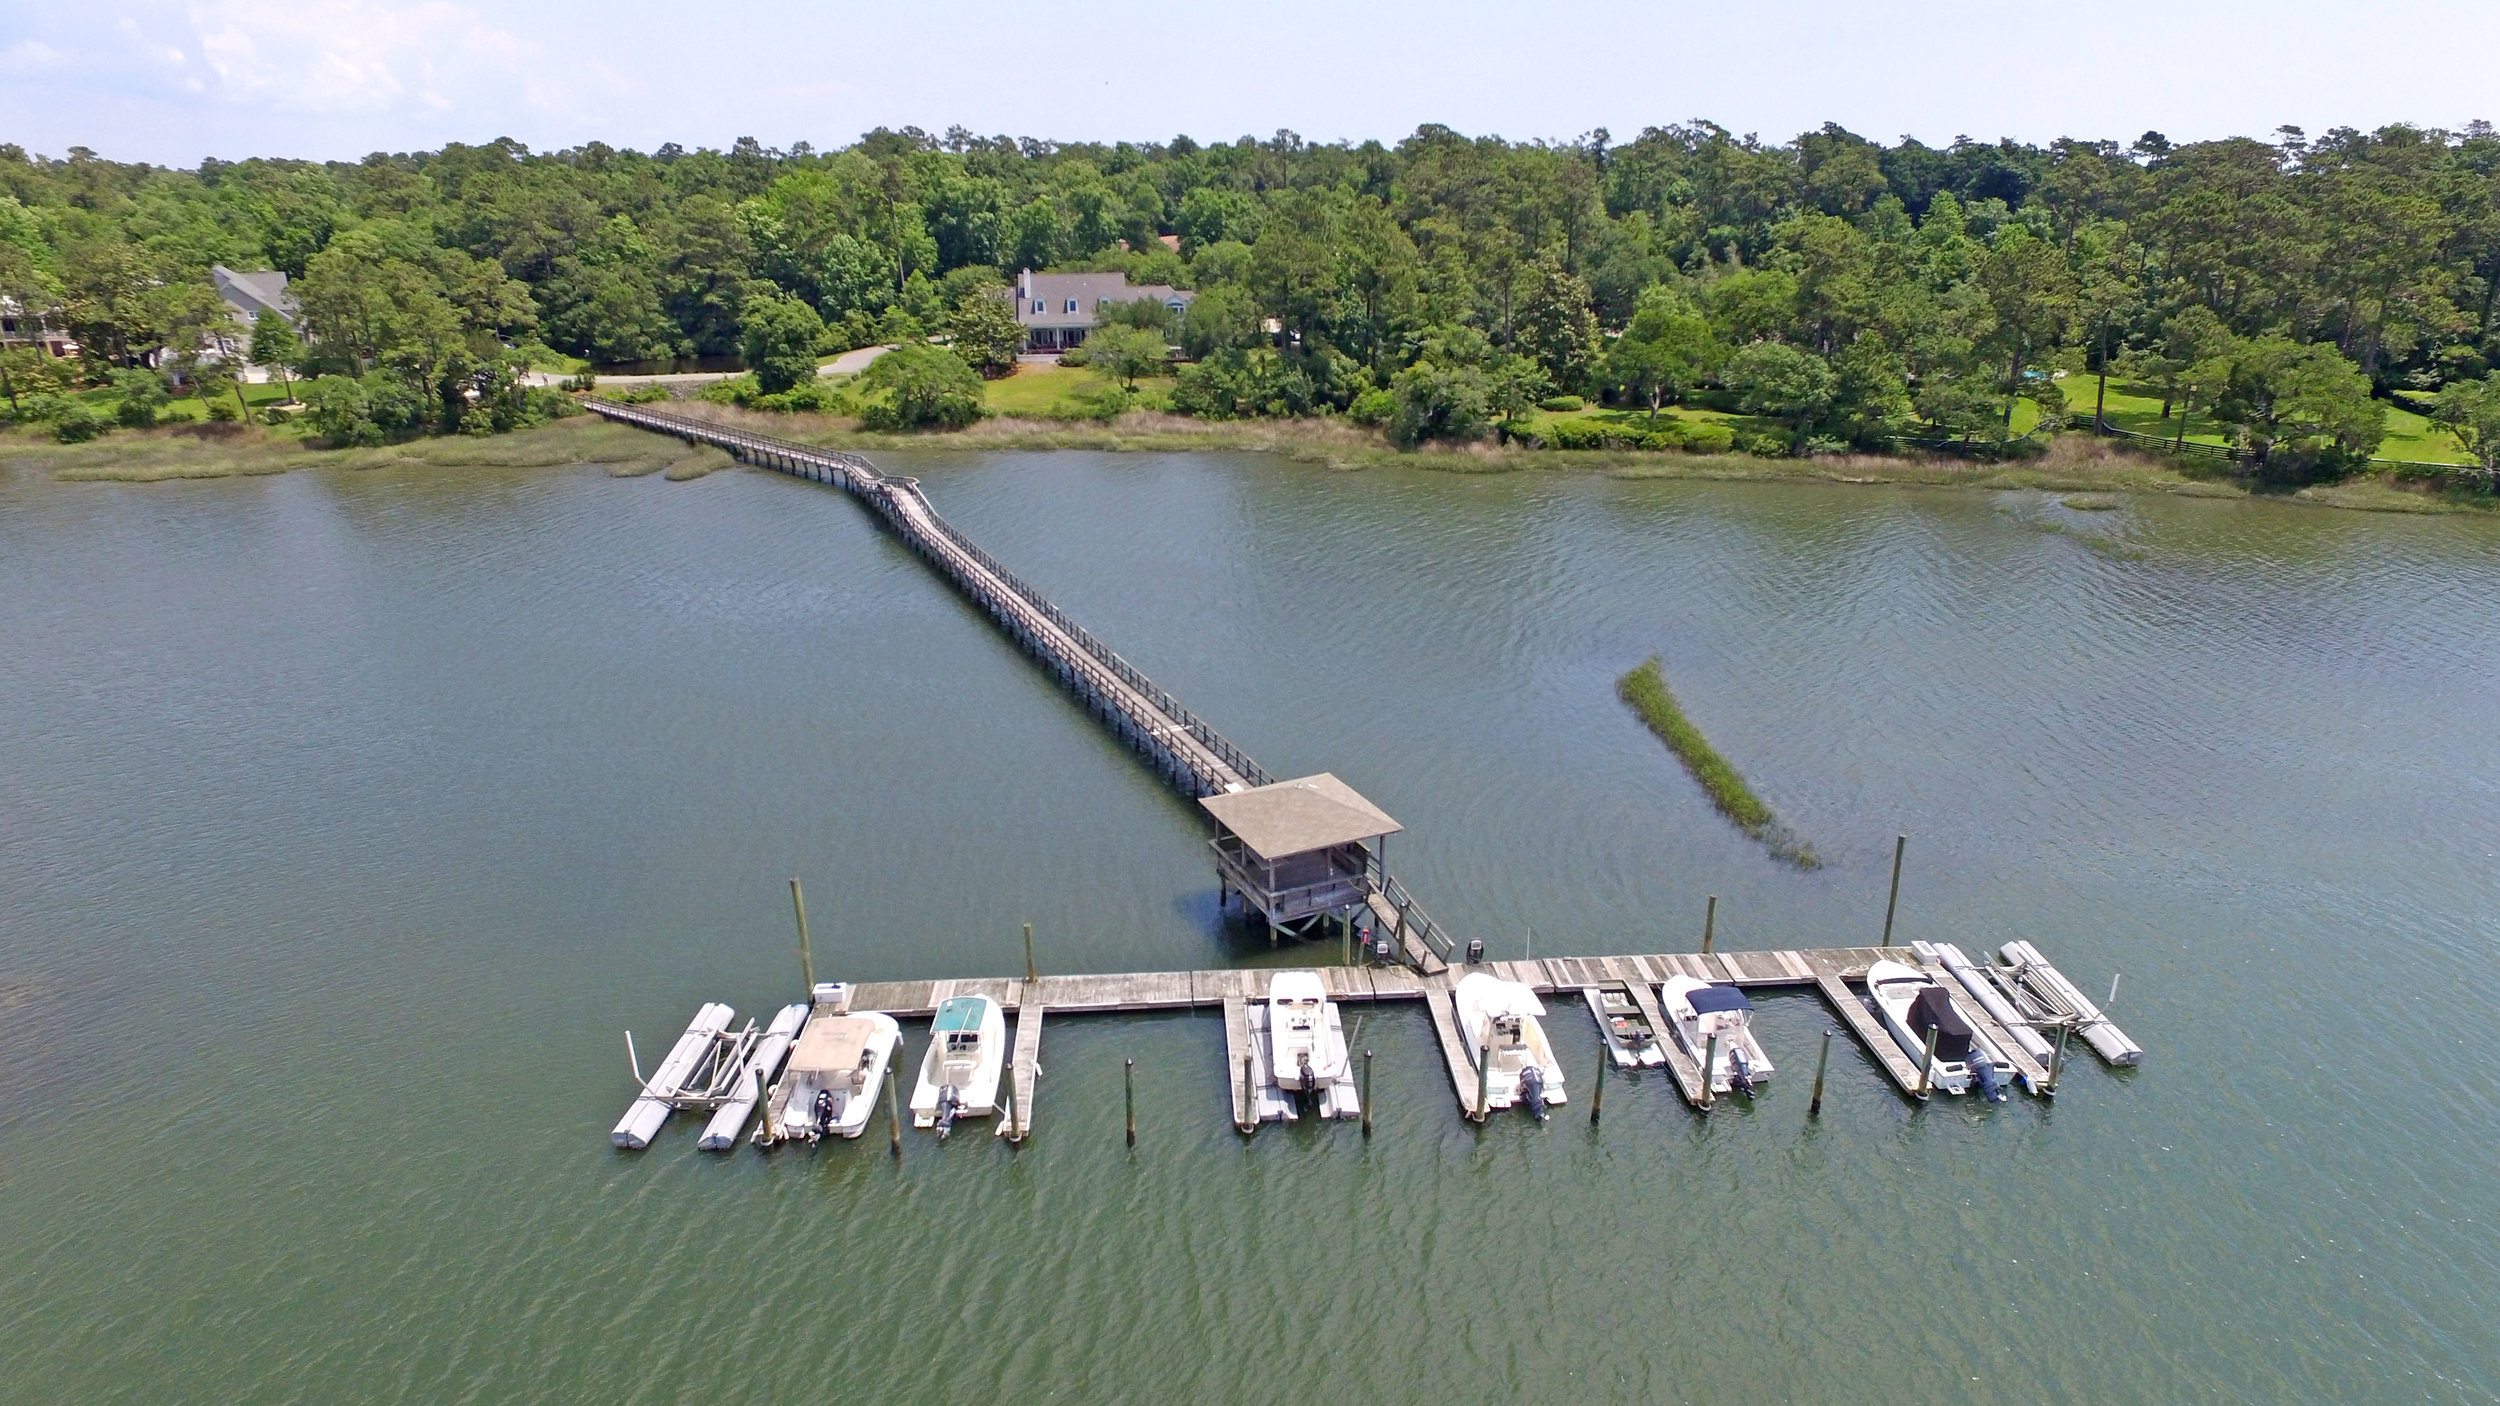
pixel 1532 1090
pixel 823 1108
pixel 1739 1071
pixel 950 1105
pixel 1984 1070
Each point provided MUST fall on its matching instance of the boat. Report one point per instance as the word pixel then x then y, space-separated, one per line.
pixel 1503 1015
pixel 1630 1043
pixel 835 1074
pixel 763 1062
pixel 1912 1003
pixel 959 1075
pixel 1305 1039
pixel 1699 1012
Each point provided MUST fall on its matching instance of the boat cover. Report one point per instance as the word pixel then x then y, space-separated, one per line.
pixel 959 1013
pixel 1933 1010
pixel 1705 999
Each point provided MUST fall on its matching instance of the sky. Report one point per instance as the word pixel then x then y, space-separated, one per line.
pixel 172 81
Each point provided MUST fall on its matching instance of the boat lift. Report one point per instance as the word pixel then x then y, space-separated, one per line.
pixel 704 1070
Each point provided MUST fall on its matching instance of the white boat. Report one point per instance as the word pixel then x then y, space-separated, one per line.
pixel 1630 1043
pixel 836 1073
pixel 959 1075
pixel 1503 1015
pixel 1912 1003
pixel 1697 1012
pixel 1305 1040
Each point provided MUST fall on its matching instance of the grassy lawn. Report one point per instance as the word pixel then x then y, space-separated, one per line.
pixel 1042 391
pixel 2138 409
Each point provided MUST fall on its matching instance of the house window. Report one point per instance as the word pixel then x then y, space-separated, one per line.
pixel 1071 304
pixel 1040 306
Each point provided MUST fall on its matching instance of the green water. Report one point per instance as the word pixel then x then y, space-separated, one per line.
pixel 346 821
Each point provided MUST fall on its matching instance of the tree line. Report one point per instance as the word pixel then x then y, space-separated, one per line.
pixel 1848 291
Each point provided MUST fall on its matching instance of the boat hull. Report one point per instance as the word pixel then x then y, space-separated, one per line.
pixel 1485 1006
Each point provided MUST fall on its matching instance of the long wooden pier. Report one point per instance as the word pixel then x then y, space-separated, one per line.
pixel 1180 745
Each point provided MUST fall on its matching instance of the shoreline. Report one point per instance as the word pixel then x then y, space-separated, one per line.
pixel 2074 463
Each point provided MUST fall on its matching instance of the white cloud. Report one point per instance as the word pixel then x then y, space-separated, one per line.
pixel 28 57
pixel 341 56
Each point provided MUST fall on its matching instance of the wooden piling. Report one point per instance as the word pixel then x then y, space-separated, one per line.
pixel 1249 1099
pixel 1899 843
pixel 1030 976
pixel 893 1112
pixel 1927 1065
pixel 1823 1061
pixel 2057 1057
pixel 1367 1093
pixel 1597 1094
pixel 1484 1081
pixel 1709 1062
pixel 807 962
pixel 763 1110
pixel 1709 924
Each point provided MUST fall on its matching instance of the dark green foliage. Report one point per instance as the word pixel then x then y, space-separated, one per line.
pixel 983 329
pixel 921 387
pixel 143 398
pixel 781 335
pixel 1932 285
pixel 1561 404
pixel 1236 385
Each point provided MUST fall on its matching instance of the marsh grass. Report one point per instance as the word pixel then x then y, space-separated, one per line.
pixel 203 452
pixel 1645 691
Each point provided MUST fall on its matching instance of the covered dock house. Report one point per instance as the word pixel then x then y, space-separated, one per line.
pixel 1300 850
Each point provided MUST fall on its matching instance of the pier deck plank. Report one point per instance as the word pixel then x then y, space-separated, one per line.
pixel 1026 1068
pixel 1685 1068
pixel 1243 1100
pixel 1454 1053
pixel 1870 1031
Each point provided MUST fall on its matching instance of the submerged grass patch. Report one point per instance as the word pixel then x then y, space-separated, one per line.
pixel 1645 690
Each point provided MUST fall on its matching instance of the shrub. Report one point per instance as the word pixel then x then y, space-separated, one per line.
pixel 1709 439
pixel 1761 444
pixel 1671 437
pixel 1561 403
pixel 222 411
pixel 143 398
pixel 1373 408
pixel 75 421
pixel 646 394
pixel 925 387
pixel 1236 384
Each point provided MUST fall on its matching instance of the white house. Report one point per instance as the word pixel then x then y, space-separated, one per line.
pixel 1059 309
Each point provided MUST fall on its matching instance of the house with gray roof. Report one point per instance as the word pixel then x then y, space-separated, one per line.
pixel 247 296
pixel 1059 309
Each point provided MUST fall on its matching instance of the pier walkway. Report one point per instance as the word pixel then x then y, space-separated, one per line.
pixel 1180 745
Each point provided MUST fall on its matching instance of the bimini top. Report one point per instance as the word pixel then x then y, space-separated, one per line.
pixel 1298 816
pixel 958 1013
pixel 1705 999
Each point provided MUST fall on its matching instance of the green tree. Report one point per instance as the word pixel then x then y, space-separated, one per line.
pixel 1664 352
pixel 1780 381
pixel 984 332
pixel 275 347
pixel 1555 325
pixel 2301 401
pixel 926 388
pixel 2471 411
pixel 1458 388
pixel 1126 353
pixel 1218 319
pixel 142 397
pixel 780 335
